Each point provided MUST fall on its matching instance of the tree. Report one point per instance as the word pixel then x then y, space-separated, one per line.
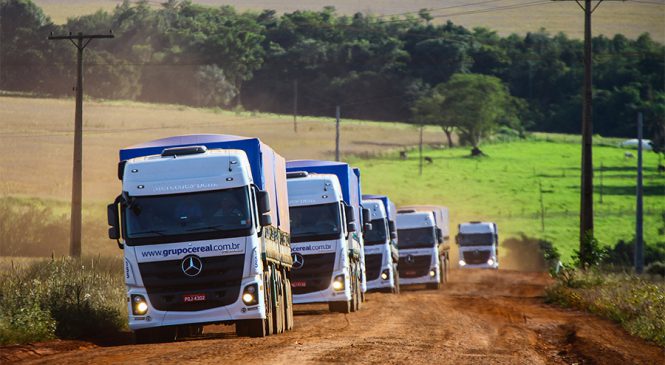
pixel 476 105
pixel 428 109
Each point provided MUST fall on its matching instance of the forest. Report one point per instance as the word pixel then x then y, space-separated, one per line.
pixel 373 67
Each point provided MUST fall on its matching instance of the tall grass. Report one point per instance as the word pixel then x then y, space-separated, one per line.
pixel 638 304
pixel 63 298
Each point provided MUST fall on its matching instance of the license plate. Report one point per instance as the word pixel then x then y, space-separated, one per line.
pixel 411 272
pixel 189 298
pixel 298 284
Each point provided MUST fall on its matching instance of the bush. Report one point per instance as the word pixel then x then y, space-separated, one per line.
pixel 63 298
pixel 637 304
pixel 623 253
pixel 656 268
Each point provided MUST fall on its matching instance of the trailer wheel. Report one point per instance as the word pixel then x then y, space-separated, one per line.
pixel 288 308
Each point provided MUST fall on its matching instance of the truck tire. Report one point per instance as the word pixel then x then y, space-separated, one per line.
pixel 278 313
pixel 340 307
pixel 252 328
pixel 288 308
pixel 395 289
pixel 270 307
pixel 155 335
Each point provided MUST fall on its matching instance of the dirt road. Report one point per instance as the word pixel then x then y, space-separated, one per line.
pixel 480 317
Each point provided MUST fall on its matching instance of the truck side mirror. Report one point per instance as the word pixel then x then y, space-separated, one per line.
pixel 351 226
pixel 393 235
pixel 367 217
pixel 112 219
pixel 439 235
pixel 265 220
pixel 263 202
pixel 350 214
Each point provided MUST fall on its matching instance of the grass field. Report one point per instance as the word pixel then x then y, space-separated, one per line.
pixel 36 138
pixel 627 17
pixel 504 188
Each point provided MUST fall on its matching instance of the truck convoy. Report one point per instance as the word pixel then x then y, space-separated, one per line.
pixel 204 224
pixel 381 254
pixel 424 252
pixel 324 201
pixel 478 245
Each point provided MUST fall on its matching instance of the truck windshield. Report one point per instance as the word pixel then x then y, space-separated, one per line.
pixel 315 222
pixel 376 235
pixel 416 237
pixel 476 239
pixel 187 217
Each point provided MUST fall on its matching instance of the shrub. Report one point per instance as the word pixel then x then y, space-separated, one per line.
pixel 63 298
pixel 656 268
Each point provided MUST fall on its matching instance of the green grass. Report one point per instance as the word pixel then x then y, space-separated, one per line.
pixel 504 188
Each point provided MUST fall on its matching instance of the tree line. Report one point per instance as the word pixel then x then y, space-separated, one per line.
pixel 406 69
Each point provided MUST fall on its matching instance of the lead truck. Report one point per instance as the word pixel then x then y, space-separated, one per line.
pixel 324 201
pixel 478 245
pixel 381 253
pixel 424 251
pixel 204 224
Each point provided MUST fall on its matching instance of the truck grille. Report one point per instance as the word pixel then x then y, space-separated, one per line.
pixel 476 257
pixel 167 285
pixel 373 266
pixel 314 275
pixel 417 266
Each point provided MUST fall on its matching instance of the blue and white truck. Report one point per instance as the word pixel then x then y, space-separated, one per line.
pixel 381 253
pixel 324 204
pixel 478 245
pixel 424 251
pixel 204 224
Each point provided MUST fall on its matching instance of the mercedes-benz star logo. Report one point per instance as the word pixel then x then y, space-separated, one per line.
pixel 191 265
pixel 410 259
pixel 298 260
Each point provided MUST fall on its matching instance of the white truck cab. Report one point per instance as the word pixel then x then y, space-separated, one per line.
pixel 203 238
pixel 326 266
pixel 381 256
pixel 478 245
pixel 418 243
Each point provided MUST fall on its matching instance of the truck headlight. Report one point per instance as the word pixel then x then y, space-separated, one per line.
pixel 432 273
pixel 249 294
pixel 139 305
pixel 338 283
pixel 385 274
pixel 462 263
pixel 490 262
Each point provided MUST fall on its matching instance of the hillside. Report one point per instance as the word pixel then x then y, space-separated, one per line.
pixel 630 18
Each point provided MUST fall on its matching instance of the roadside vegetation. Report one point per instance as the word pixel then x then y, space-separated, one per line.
pixel 636 302
pixel 64 298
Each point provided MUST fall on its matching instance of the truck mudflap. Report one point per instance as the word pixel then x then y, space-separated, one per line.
pixel 276 247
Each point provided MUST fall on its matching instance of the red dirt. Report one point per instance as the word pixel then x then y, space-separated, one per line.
pixel 480 317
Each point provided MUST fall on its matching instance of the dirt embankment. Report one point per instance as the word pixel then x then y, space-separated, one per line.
pixel 480 317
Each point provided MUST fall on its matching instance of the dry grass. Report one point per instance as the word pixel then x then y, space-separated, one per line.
pixel 629 18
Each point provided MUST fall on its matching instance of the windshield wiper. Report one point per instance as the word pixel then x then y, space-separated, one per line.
pixel 217 227
pixel 159 232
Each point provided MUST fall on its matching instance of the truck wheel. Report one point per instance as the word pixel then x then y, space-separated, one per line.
pixel 288 308
pixel 395 289
pixel 278 313
pixel 340 307
pixel 252 327
pixel 270 309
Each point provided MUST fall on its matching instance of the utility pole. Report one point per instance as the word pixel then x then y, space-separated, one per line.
pixel 639 223
pixel 337 133
pixel 80 41
pixel 586 193
pixel 542 207
pixel 295 106
pixel 601 183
